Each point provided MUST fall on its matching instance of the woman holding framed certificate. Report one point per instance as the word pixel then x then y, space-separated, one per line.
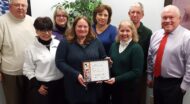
pixel 81 45
pixel 127 57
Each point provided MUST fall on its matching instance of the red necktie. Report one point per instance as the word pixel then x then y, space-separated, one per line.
pixel 158 61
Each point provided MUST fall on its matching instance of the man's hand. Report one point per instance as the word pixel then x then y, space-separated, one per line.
pixel 150 83
pixel 1 77
pixel 183 91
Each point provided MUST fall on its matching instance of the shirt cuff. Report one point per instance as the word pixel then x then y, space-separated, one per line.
pixel 149 77
pixel 184 86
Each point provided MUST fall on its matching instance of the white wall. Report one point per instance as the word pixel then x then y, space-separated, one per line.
pixel 42 7
pixel 152 9
pixel 120 10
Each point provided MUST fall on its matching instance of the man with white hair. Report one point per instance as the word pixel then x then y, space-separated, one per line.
pixel 136 13
pixel 16 33
pixel 169 59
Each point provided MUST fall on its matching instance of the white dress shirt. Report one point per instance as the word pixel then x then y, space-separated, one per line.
pixel 176 56
pixel 123 45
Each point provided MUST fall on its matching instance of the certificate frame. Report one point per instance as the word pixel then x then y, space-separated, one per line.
pixel 96 70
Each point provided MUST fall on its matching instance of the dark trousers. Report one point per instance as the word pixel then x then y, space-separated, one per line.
pixel 122 97
pixel 141 89
pixel 15 89
pixel 125 93
pixel 55 93
pixel 167 91
pixel 106 99
pixel 83 103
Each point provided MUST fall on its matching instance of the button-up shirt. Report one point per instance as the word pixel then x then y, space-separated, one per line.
pixel 175 60
pixel 123 45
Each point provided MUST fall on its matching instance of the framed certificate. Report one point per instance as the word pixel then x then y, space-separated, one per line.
pixel 96 70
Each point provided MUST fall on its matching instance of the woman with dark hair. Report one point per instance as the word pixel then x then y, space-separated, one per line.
pixel 102 27
pixel 80 45
pixel 39 65
pixel 106 34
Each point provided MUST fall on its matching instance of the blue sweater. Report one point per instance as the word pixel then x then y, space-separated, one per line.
pixel 107 37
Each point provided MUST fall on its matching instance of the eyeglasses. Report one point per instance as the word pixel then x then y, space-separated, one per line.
pixel 61 16
pixel 19 5
pixel 45 32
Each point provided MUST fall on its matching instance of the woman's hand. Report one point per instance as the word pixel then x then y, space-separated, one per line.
pixel 110 81
pixel 81 80
pixel 110 61
pixel 43 90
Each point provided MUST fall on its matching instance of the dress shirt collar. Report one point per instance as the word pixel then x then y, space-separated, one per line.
pixel 178 28
pixel 123 45
pixel 175 31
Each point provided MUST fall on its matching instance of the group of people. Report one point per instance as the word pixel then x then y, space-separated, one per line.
pixel 41 60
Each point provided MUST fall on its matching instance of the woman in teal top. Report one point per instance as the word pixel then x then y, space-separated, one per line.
pixel 127 57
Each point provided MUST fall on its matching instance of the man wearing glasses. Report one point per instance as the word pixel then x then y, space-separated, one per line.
pixel 16 33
